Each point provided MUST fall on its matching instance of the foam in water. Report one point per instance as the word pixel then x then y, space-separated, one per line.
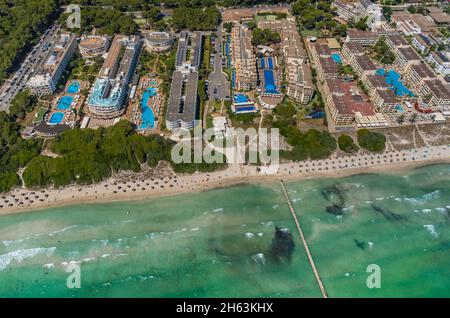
pixel 21 255
pixel 67 228
pixel 259 258
pixel 432 230
pixel 424 198
pixel 249 235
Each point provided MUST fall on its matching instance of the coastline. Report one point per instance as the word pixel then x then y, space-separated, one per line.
pixel 235 175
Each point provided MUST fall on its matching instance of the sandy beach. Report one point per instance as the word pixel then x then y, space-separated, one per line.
pixel 130 186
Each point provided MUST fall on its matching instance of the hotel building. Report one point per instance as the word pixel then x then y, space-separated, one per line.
pixel 325 65
pixel 93 45
pixel 363 66
pixel 183 108
pixel 48 74
pixel 422 43
pixel 243 58
pixel 438 92
pixel 439 62
pixel 416 73
pixel 365 38
pixel 158 41
pixel 405 57
pixel 347 106
pixel 350 50
pixel 108 95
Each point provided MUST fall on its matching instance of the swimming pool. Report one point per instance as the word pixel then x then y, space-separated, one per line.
pixel 233 80
pixel 399 108
pixel 269 59
pixel 269 82
pixel 240 98
pixel 56 118
pixel 393 79
pixel 65 102
pixel 73 88
pixel 242 109
pixel 337 58
pixel 148 117
pixel 262 62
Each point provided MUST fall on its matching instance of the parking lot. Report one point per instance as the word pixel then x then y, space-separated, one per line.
pixel 219 86
pixel 18 80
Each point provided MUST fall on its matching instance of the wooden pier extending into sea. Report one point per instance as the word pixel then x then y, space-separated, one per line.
pixel 305 244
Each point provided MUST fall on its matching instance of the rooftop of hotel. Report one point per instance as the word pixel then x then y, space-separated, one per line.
pixel 354 47
pixel 388 96
pixel 365 63
pixel 350 104
pixel 106 93
pixel 196 47
pixel 92 42
pixel 113 56
pixel 158 37
pixel 328 65
pixel 434 9
pixel 56 54
pixel 422 70
pixel 397 40
pixel 182 49
pixel 351 33
pixel 439 57
pixel 438 88
pixel 377 81
pixel 409 54
pixel 424 22
pixel 323 50
pixel 422 39
pixel 440 17
pixel 177 110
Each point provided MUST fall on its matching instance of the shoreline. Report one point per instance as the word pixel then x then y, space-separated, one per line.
pixel 72 197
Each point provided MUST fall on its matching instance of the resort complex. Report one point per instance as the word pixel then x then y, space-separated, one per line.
pixel 58 54
pixel 230 110
pixel 110 91
pixel 376 94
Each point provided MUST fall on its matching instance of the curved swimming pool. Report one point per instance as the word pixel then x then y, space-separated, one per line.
pixel 148 117
pixel 56 118
pixel 73 88
pixel 65 102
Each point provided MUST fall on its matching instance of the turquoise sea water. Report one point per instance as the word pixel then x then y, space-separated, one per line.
pixel 217 243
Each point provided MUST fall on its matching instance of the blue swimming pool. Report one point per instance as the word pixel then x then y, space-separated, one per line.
pixel 393 79
pixel 269 59
pixel 148 117
pixel 56 118
pixel 337 58
pixel 269 82
pixel 73 88
pixel 243 109
pixel 240 98
pixel 65 102
pixel 399 108
pixel 233 80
